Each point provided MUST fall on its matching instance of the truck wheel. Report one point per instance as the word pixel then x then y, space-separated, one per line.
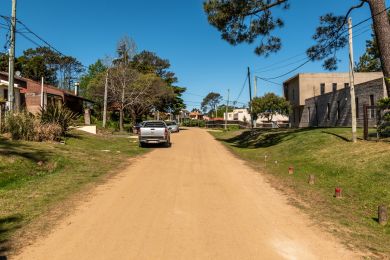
pixel 141 144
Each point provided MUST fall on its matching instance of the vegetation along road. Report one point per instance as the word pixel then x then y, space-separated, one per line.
pixel 194 200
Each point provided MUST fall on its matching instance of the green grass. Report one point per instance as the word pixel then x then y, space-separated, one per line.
pixel 37 176
pixel 361 169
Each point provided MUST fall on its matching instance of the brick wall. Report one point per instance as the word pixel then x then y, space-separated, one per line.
pixel 334 108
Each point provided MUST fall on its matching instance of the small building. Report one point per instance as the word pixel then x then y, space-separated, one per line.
pixel 196 115
pixel 334 108
pixel 304 86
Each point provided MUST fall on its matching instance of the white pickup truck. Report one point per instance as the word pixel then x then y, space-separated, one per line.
pixel 154 132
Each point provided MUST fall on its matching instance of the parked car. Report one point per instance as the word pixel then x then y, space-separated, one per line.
pixel 137 127
pixel 154 132
pixel 173 126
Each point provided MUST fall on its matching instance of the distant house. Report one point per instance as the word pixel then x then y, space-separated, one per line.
pixel 243 115
pixel 196 115
pixel 28 95
pixel 304 86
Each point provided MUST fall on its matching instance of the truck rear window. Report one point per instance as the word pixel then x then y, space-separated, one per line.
pixel 154 124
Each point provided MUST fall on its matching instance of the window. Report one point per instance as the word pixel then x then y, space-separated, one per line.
pixel 5 94
pixel 338 110
pixel 334 87
pixel 372 111
pixel 293 94
pixel 156 124
pixel 309 119
pixel 322 88
pixel 346 85
pixel 328 111
pixel 357 107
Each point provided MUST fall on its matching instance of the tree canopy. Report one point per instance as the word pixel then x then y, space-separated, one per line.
pixel 370 61
pixel 250 21
pixel 210 102
pixel 55 68
pixel 270 105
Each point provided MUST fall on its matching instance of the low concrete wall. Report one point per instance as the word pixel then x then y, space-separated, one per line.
pixel 89 129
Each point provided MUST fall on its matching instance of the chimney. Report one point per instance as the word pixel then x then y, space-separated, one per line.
pixel 76 88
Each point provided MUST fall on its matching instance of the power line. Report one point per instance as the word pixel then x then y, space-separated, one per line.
pixel 242 89
pixel 329 44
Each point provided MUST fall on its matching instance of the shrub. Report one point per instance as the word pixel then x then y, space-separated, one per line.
pixel 57 115
pixel 384 124
pixel 20 126
pixel 47 132
pixel 25 126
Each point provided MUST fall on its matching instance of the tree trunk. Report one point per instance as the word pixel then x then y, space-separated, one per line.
pixel 121 119
pixel 382 33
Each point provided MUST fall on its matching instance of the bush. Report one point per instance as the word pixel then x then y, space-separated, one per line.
pixel 47 132
pixel 20 126
pixel 384 124
pixel 25 126
pixel 57 115
pixel 194 123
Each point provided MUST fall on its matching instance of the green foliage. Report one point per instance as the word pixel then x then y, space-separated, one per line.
pixel 246 21
pixel 384 124
pixel 57 115
pixel 194 123
pixel 249 21
pixel 211 101
pixel 370 60
pixel 20 126
pixel 25 126
pixel 269 105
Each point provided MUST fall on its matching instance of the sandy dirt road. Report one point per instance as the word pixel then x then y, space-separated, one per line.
pixel 192 201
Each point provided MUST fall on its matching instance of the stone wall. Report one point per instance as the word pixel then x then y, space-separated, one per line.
pixel 334 108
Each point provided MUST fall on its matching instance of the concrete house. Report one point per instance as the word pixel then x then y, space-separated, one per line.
pixel 334 108
pixel 304 86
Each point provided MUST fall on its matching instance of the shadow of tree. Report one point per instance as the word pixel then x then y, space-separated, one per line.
pixel 7 225
pixel 263 137
pixel 23 150
pixel 337 135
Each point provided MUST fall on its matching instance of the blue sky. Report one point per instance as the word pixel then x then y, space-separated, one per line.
pixel 178 30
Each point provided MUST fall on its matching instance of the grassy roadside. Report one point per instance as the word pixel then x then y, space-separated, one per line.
pixel 36 176
pixel 362 170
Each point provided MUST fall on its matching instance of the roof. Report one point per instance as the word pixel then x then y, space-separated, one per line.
pixel 380 74
pixel 35 87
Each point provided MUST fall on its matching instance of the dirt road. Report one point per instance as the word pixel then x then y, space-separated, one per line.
pixel 193 201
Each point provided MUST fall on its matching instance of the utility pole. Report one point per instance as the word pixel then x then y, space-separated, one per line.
pixel 11 69
pixel 226 113
pixel 105 101
pixel 255 87
pixel 352 81
pixel 250 96
pixel 42 91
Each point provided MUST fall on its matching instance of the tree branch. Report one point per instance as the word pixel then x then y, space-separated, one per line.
pixel 266 7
